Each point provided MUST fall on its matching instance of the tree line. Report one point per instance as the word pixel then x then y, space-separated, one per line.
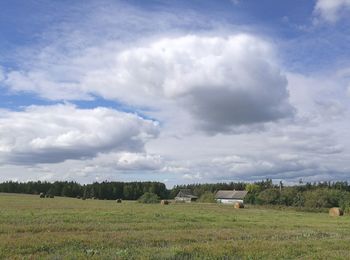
pixel 312 196
pixel 265 192
pixel 102 190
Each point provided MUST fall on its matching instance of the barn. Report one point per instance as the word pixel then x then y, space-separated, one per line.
pixel 185 195
pixel 230 196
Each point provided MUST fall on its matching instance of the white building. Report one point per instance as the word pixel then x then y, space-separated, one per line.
pixel 230 196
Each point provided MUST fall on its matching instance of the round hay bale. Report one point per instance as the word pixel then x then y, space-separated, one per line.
pixel 164 202
pixel 238 205
pixel 336 212
pixel 119 201
pixel 78 197
pixel 83 198
pixel 52 196
pixel 42 195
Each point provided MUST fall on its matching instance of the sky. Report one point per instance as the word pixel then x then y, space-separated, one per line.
pixel 181 91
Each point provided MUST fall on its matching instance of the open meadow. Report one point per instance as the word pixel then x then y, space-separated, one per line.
pixel 66 228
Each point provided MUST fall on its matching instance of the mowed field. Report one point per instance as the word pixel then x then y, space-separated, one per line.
pixel 66 228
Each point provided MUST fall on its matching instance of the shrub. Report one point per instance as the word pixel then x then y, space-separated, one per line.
pixel 251 198
pixel 344 202
pixel 208 197
pixel 316 199
pixel 325 198
pixel 299 200
pixel 149 197
pixel 288 197
pixel 269 196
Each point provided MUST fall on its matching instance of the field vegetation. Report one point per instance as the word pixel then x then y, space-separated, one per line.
pixel 69 228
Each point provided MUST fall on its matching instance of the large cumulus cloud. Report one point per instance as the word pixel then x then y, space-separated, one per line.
pixel 222 82
pixel 56 133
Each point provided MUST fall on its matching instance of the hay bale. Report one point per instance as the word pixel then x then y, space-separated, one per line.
pixel 336 212
pixel 238 205
pixel 78 197
pixel 51 196
pixel 118 200
pixel 42 195
pixel 164 202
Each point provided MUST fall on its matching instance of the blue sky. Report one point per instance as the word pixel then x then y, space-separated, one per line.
pixel 29 24
pixel 175 91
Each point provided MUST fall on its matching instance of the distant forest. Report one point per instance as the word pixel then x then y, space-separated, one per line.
pixel 102 190
pixel 309 195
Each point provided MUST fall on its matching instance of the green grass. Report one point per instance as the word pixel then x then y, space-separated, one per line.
pixel 65 228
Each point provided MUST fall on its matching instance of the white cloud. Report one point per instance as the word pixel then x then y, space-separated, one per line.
pixel 41 82
pixel 127 161
pixel 235 2
pixel 331 10
pixel 314 145
pixel 2 74
pixel 56 133
pixel 191 73
pixel 223 82
pixel 319 97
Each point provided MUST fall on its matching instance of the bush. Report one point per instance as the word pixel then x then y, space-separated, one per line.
pixel 269 196
pixel 325 198
pixel 316 199
pixel 208 197
pixel 149 197
pixel 299 200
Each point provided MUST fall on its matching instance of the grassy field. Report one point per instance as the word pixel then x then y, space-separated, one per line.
pixel 64 228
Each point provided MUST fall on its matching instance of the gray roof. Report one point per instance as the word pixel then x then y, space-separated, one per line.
pixel 186 193
pixel 230 194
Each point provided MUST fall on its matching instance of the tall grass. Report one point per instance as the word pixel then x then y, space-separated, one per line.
pixel 63 228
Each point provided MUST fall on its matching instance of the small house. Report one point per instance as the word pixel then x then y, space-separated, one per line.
pixel 185 195
pixel 230 196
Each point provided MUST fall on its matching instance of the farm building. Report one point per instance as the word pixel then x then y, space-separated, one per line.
pixel 185 195
pixel 230 196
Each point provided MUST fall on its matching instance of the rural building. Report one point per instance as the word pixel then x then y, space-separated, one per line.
pixel 185 195
pixel 230 196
